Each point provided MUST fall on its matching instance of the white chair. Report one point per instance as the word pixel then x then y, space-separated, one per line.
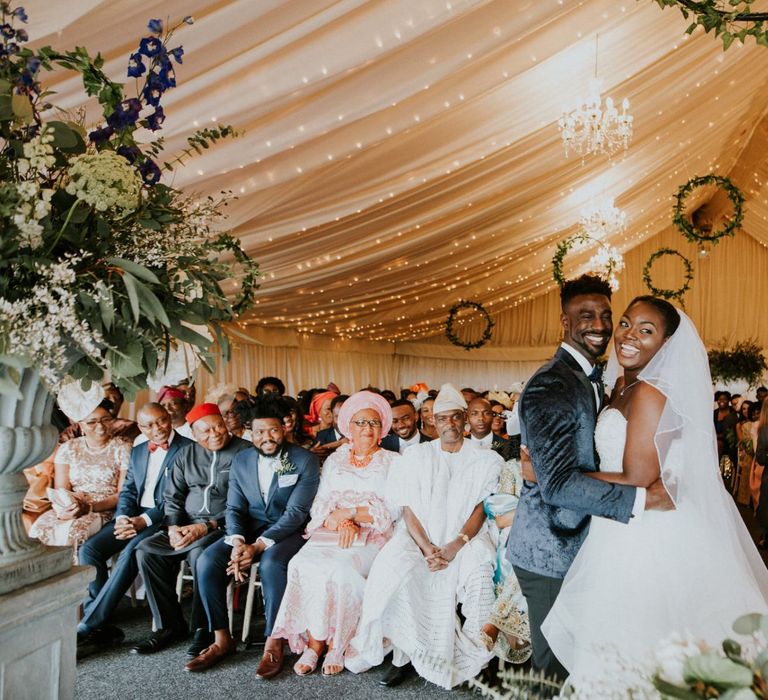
pixel 252 582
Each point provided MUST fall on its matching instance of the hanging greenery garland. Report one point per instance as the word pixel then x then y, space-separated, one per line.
pixel 449 324
pixel 668 293
pixel 694 235
pixel 606 262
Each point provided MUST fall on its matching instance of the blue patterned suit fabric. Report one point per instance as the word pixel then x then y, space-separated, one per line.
pixel 557 417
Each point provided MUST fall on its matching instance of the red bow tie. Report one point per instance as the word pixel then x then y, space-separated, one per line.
pixel 153 446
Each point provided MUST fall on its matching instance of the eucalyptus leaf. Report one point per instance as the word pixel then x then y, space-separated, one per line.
pixel 65 138
pixel 739 694
pixel 747 624
pixel 5 87
pixel 669 690
pixel 135 269
pixel 713 669
pixel 6 108
pixel 133 296
pixel 152 306
pixel 22 108
pixel 127 362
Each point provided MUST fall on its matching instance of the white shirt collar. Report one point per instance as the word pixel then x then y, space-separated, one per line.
pixel 414 440
pixel 584 363
pixel 486 441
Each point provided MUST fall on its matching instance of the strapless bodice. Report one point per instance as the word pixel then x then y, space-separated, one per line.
pixel 610 436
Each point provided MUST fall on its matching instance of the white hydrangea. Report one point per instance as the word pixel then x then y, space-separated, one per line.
pixel 671 654
pixel 38 155
pixel 34 206
pixel 44 326
pixel 105 181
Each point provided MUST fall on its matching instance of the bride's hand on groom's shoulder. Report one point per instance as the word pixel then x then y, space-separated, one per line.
pixel 657 498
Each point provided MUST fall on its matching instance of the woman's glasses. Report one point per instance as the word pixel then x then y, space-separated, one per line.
pixel 370 423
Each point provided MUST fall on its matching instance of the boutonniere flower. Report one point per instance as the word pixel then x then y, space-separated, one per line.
pixel 284 465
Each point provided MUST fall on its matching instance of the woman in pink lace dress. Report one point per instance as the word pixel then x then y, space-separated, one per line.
pixel 91 469
pixel 349 524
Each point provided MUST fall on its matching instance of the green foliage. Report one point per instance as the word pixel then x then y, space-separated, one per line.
pixel 680 218
pixel 668 293
pixel 744 361
pixel 729 20
pixel 450 331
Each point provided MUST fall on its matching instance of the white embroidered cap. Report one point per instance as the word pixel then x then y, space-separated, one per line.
pixel 449 399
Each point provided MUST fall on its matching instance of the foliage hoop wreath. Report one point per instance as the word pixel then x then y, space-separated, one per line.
pixel 449 330
pixel 563 248
pixel 668 293
pixel 693 234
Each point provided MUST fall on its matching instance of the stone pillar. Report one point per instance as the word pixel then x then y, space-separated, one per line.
pixel 39 591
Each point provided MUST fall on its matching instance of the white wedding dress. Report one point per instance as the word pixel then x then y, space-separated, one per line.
pixel 694 569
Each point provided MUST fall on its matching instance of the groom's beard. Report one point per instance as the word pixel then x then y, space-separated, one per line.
pixel 273 453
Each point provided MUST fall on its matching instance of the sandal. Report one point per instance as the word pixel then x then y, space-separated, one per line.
pixel 308 658
pixel 333 658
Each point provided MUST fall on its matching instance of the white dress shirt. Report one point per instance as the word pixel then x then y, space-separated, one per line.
pixel 414 440
pixel 484 442
pixel 154 467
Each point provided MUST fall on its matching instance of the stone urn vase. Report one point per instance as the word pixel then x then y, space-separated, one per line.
pixel 26 438
pixel 39 588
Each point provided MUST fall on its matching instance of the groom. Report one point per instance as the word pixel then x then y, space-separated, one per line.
pixel 558 411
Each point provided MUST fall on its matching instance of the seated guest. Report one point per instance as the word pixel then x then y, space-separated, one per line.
pixel 174 401
pixel 293 422
pixel 121 427
pixel 271 489
pixel 442 558
pixel 426 418
pixel 89 472
pixel 195 501
pixel 139 515
pixel 499 423
pixel 232 412
pixel 242 395
pixel 270 386
pixel 320 415
pixel 327 440
pixel 389 396
pixel 405 428
pixel 480 418
pixel 350 523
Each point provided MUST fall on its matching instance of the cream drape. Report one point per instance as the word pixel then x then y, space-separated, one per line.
pixel 398 156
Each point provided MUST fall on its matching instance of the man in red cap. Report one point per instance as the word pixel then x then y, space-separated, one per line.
pixel 195 503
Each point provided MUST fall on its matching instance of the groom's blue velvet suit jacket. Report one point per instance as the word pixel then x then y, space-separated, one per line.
pixel 286 509
pixel 557 419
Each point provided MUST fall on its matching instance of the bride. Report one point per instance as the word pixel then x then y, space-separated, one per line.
pixel 694 569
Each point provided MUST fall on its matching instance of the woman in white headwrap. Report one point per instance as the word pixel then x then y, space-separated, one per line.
pixel 89 472
pixel 350 523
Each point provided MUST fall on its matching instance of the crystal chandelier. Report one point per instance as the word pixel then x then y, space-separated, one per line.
pixel 601 218
pixel 606 262
pixel 593 127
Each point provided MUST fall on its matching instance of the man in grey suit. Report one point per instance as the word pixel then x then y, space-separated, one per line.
pixel 558 412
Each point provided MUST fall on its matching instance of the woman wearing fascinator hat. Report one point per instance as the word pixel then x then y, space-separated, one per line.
pixel 89 471
pixel 693 569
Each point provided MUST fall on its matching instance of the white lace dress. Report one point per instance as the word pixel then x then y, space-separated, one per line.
pixel 632 585
pixel 325 583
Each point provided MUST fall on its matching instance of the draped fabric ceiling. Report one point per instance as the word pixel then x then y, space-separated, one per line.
pixel 398 156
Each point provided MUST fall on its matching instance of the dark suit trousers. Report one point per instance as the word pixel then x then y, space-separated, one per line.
pixel 105 591
pixel 540 593
pixel 159 565
pixel 212 578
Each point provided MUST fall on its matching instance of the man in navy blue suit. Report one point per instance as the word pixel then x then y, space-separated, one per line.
pixel 139 514
pixel 405 428
pixel 271 489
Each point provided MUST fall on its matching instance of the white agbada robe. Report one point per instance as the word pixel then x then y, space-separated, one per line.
pixel 407 607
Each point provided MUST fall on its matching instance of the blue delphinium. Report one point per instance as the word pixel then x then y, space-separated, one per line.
pixel 150 173
pixel 136 65
pixel 126 114
pixel 150 46
pixel 101 135
pixel 154 121
pixel 155 26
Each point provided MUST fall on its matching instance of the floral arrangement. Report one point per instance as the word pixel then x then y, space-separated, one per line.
pixel 686 227
pixel 103 268
pixel 606 262
pixel 744 361
pixel 284 465
pixel 450 331
pixel 729 20
pixel 678 293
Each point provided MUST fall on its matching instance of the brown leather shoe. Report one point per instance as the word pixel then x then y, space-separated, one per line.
pixel 271 663
pixel 209 657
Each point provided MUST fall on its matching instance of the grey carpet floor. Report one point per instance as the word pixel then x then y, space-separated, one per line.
pixel 116 673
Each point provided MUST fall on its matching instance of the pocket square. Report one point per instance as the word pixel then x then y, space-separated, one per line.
pixel 285 480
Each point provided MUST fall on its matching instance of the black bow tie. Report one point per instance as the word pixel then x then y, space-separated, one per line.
pixel 596 375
